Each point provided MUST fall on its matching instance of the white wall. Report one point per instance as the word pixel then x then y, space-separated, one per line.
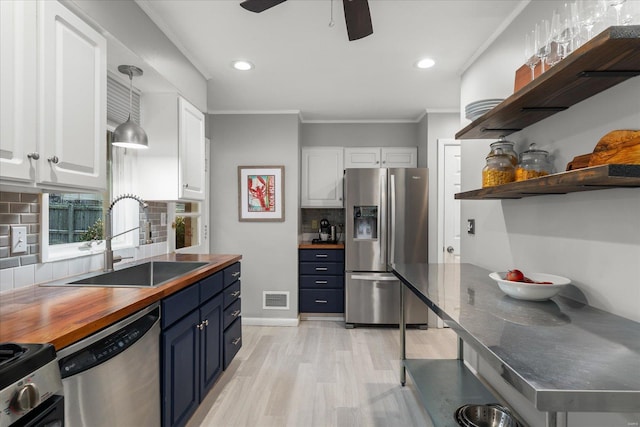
pixel 269 249
pixel 591 237
pixel 359 134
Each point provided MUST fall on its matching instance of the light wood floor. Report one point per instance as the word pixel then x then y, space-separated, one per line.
pixel 321 374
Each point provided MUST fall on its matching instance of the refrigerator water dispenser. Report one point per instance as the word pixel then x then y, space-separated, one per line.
pixel 365 222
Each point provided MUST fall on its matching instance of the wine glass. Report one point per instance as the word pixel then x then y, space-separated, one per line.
pixel 617 5
pixel 590 14
pixel 530 51
pixel 544 42
pixel 562 29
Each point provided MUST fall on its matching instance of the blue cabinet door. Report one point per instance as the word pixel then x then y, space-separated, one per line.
pixel 211 344
pixel 180 370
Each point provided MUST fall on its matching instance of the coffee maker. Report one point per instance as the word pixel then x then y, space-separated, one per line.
pixel 327 232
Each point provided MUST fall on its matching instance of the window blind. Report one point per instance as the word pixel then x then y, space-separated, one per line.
pixel 118 102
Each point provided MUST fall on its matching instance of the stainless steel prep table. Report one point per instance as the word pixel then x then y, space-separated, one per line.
pixel 562 355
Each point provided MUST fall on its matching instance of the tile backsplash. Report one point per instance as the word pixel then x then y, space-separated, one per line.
pixel 19 209
pixel 310 219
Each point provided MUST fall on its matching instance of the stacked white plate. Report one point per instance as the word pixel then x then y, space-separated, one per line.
pixel 478 108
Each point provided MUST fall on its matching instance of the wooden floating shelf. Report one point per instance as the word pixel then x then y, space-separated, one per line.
pixel 608 59
pixel 587 179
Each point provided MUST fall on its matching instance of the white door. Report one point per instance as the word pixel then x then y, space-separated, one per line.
pixel 18 133
pixel 73 93
pixel 449 160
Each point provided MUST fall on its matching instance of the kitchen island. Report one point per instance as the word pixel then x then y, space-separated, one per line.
pixel 64 315
pixel 562 355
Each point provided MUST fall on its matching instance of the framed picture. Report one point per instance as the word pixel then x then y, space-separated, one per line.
pixel 261 193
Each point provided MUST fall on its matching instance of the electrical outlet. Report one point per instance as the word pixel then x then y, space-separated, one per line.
pixel 18 239
pixel 471 226
pixel 163 219
pixel 314 224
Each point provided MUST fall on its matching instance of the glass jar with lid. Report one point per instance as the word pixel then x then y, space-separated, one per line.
pixel 533 163
pixel 506 147
pixel 498 170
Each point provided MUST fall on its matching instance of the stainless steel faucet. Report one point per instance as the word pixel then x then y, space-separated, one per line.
pixel 108 253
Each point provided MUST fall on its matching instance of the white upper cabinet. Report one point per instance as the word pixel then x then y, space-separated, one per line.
pixel 73 94
pixel 399 157
pixel 54 113
pixel 321 178
pixel 380 157
pixel 18 132
pixel 173 167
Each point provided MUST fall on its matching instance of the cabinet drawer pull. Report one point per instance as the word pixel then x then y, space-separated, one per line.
pixel 321 282
pixel 235 294
pixel 236 274
pixel 321 255
pixel 236 313
pixel 321 268
pixel 236 341
pixel 321 301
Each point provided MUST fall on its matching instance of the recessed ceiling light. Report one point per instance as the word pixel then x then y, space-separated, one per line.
pixel 242 65
pixel 425 63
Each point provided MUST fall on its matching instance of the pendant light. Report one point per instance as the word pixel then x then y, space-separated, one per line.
pixel 130 134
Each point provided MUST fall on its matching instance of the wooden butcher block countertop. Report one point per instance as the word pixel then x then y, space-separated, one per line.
pixel 309 245
pixel 64 315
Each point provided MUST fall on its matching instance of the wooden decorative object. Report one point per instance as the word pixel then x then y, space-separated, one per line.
pixel 579 162
pixel 523 76
pixel 617 147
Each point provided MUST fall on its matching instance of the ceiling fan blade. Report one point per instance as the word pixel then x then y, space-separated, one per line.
pixel 258 6
pixel 358 19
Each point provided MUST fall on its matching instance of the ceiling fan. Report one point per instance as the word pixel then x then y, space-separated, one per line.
pixel 356 15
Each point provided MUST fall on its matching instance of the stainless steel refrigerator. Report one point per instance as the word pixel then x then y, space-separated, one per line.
pixel 386 222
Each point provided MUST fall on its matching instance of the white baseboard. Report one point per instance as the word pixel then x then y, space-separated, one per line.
pixel 265 321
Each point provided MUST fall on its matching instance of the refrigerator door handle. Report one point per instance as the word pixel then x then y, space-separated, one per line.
pixel 392 221
pixel 383 218
pixel 374 278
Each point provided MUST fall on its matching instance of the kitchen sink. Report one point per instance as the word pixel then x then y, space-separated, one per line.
pixel 146 275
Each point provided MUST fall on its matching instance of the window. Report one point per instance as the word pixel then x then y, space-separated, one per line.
pixel 74 218
pixel 186 224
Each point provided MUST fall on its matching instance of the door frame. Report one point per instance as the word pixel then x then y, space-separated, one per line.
pixel 441 145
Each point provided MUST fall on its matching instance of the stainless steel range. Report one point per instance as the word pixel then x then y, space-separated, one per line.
pixel 30 386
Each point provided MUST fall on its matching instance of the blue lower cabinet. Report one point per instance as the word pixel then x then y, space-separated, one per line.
pixel 193 347
pixel 232 317
pixel 321 281
pixel 232 341
pixel 180 371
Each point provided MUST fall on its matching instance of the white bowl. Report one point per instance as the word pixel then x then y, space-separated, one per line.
pixel 531 291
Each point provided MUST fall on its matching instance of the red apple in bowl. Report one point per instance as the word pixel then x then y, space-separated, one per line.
pixel 514 275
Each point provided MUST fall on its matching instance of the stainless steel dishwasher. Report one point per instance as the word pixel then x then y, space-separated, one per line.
pixel 112 378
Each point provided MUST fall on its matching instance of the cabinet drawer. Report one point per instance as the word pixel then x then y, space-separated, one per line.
pixel 232 293
pixel 321 268
pixel 231 274
pixel 321 255
pixel 232 341
pixel 210 286
pixel 179 304
pixel 322 282
pixel 231 313
pixel 321 301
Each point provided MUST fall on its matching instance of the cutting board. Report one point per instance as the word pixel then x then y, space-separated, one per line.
pixel 617 147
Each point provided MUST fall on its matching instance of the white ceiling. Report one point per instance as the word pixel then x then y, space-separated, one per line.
pixel 302 64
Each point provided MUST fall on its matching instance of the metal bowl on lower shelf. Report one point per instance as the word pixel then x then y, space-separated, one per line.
pixel 491 415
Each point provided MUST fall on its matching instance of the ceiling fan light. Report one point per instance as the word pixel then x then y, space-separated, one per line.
pixel 242 65
pixel 425 63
